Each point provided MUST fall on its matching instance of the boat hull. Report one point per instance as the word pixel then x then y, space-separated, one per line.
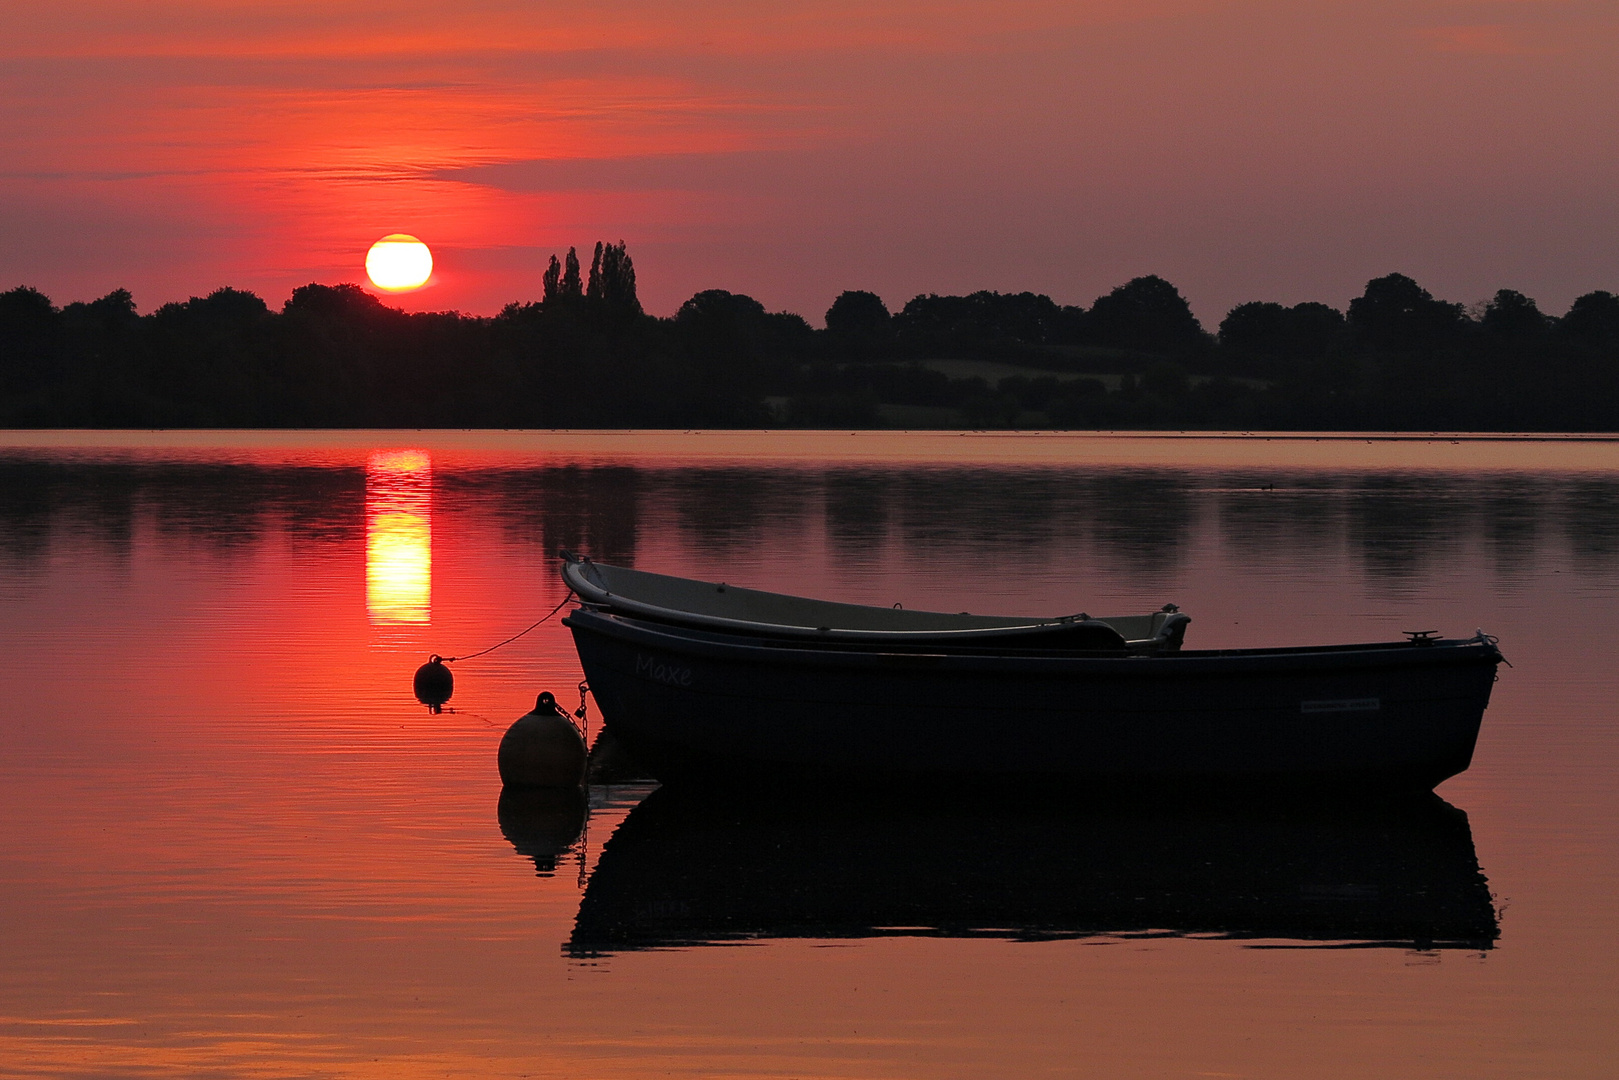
pixel 690 704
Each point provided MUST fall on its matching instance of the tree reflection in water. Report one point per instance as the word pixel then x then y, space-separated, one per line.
pixel 1137 522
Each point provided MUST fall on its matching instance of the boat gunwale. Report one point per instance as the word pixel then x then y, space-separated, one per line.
pixel 753 649
pixel 575 576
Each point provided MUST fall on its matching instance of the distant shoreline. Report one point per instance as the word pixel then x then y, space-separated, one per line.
pixel 1260 454
pixel 585 356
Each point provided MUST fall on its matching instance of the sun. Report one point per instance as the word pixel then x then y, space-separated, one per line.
pixel 399 263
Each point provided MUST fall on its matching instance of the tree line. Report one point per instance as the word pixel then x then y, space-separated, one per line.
pixel 586 355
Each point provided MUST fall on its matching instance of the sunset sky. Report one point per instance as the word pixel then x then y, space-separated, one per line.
pixel 1244 149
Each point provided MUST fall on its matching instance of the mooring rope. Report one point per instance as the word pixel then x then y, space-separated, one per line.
pixel 514 637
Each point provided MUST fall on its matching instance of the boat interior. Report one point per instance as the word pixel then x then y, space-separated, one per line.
pixel 718 603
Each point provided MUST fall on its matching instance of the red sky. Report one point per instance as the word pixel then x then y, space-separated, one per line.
pixel 1245 149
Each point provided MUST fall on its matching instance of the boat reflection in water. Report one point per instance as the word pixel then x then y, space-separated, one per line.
pixel 684 870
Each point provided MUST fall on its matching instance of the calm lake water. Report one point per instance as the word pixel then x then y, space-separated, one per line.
pixel 232 844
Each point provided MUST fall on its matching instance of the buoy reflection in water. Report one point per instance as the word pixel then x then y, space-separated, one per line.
pixel 398 537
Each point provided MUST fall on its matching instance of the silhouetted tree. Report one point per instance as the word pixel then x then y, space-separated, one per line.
pixel 337 355
pixel 982 324
pixel 1315 326
pixel 1259 326
pixel 551 282
pixel 337 302
pixel 98 344
pixel 1592 321
pixel 859 325
pixel 230 307
pixel 1512 316
pixel 1304 331
pixel 571 287
pixel 593 286
pixel 612 279
pixel 1397 313
pixel 30 341
pixel 1146 313
pixel 610 286
pixel 719 308
pixel 336 350
pixel 739 339
pixel 858 314
pixel 210 359
pixel 113 312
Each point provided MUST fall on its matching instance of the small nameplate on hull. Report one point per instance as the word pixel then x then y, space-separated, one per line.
pixel 1359 704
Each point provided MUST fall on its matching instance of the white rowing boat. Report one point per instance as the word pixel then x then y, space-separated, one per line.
pixel 731 609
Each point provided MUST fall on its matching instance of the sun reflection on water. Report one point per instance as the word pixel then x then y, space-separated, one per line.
pixel 398 537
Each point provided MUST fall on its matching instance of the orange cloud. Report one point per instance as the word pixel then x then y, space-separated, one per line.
pixel 788 149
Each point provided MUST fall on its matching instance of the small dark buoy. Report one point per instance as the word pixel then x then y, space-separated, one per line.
pixel 543 749
pixel 434 684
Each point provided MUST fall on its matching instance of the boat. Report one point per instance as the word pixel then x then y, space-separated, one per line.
pixel 678 601
pixel 690 868
pixel 758 706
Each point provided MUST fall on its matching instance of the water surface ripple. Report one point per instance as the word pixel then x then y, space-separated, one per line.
pixel 231 844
